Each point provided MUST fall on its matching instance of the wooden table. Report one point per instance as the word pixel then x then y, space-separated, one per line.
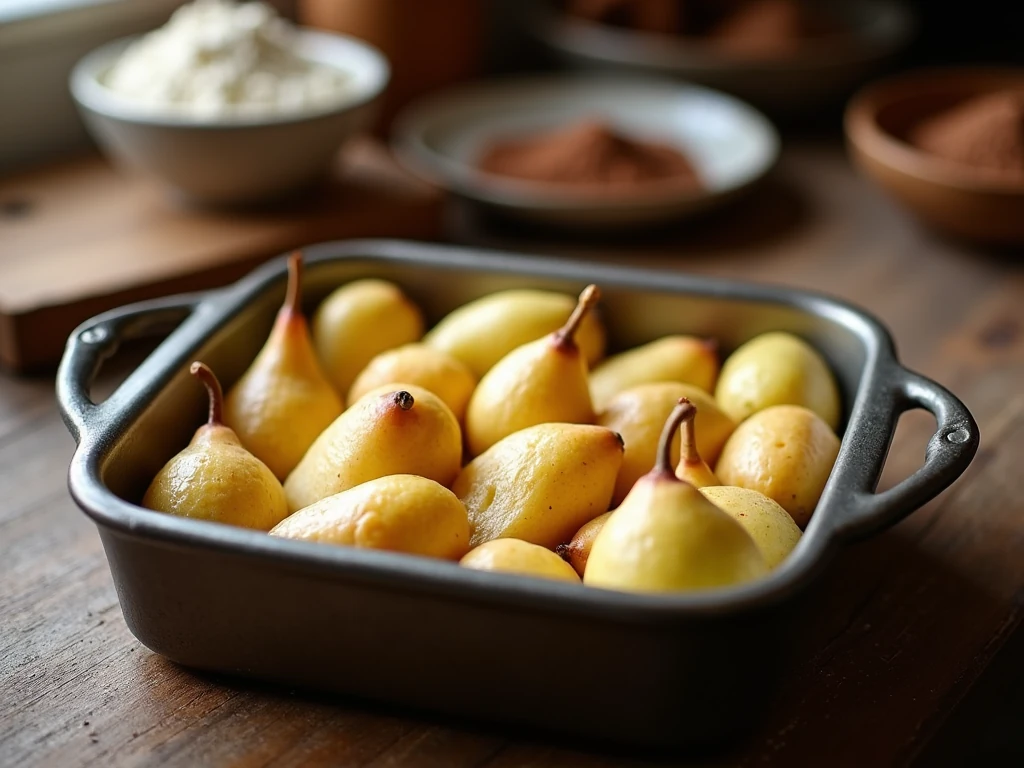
pixel 912 638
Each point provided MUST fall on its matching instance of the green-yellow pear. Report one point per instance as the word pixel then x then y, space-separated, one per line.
pixel 577 551
pixel 667 537
pixel 445 376
pixel 768 524
pixel 786 452
pixel 777 369
pixel 389 431
pixel 692 468
pixel 215 478
pixel 685 359
pixel 399 513
pixel 357 322
pixel 283 401
pixel 539 382
pixel 540 484
pixel 518 556
pixel 482 332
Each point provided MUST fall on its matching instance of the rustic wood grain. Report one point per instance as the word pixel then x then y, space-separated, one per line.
pixel 903 627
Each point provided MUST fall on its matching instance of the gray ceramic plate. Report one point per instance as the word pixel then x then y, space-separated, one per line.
pixel 731 144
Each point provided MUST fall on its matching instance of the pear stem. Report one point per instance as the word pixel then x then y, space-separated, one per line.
pixel 293 298
pixel 684 409
pixel 689 450
pixel 209 379
pixel 566 335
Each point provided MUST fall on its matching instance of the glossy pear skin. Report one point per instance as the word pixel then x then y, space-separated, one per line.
pixel 540 484
pixel 399 513
pixel 442 374
pixel 577 551
pixel 778 369
pixel 517 556
pixel 482 332
pixel 686 359
pixel 768 524
pixel 785 452
pixel 357 322
pixel 389 431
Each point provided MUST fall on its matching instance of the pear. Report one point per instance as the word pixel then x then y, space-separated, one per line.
pixel 357 322
pixel 284 400
pixel 666 536
pixel 639 413
pixel 518 556
pixel 389 431
pixel 692 467
pixel 445 376
pixel 577 551
pixel 540 484
pixel 482 332
pixel 215 478
pixel 685 359
pixel 786 452
pixel 768 524
pixel 542 381
pixel 777 369
pixel 399 513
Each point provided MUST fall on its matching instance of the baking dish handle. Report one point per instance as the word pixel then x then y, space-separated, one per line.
pixel 96 341
pixel 949 452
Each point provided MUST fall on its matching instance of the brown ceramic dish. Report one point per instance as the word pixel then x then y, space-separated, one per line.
pixel 954 198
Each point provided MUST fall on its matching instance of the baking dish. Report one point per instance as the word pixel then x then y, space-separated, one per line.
pixel 659 671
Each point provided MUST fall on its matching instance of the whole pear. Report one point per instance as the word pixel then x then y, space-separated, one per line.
pixel 518 556
pixel 685 359
pixel 215 478
pixel 768 524
pixel 577 551
pixel 389 431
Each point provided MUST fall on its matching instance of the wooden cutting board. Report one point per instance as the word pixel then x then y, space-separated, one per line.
pixel 79 238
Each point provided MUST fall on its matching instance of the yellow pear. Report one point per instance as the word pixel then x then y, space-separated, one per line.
pixel 768 524
pixel 389 431
pixel 482 332
pixel 667 537
pixel 540 484
pixel 357 322
pixel 577 551
pixel 215 478
pixel 639 413
pixel 518 556
pixel 542 381
pixel 399 513
pixel 692 467
pixel 283 401
pixel 685 359
pixel 778 369
pixel 445 376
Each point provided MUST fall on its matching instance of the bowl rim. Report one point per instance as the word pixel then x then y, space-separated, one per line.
pixel 867 136
pixel 91 95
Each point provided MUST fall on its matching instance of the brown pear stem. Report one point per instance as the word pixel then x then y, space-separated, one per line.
pixel 684 408
pixel 566 335
pixel 404 400
pixel 689 450
pixel 293 298
pixel 202 372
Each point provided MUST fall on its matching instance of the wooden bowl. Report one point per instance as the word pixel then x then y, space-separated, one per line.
pixel 956 199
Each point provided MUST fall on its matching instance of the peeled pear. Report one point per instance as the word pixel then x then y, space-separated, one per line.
pixel 639 414
pixel 283 401
pixel 542 381
pixel 445 376
pixel 215 478
pixel 768 524
pixel 540 484
pixel 518 556
pixel 482 332
pixel 389 431
pixel 399 513
pixel 667 537
pixel 685 359
pixel 577 551
pixel 357 322
pixel 692 468
pixel 786 452
pixel 777 369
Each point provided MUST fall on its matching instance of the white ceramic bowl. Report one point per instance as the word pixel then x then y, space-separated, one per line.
pixel 232 160
pixel 731 145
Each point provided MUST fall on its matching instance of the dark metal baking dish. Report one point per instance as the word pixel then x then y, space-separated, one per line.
pixel 658 671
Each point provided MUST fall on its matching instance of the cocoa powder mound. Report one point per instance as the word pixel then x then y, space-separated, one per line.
pixel 986 132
